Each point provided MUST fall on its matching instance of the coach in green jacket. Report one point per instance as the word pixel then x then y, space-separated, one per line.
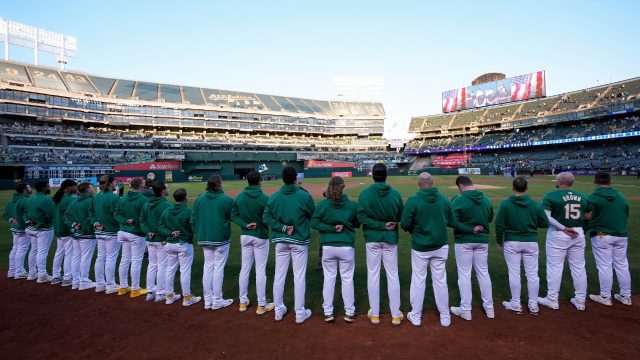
pixel 14 214
pixel 39 215
pixel 64 250
pixel 106 228
pixel 210 222
pixel 78 218
pixel 379 211
pixel 287 213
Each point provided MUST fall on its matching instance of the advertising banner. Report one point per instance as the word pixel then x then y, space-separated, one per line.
pixel 344 174
pixel 322 164
pixel 127 179
pixel 158 165
pixel 194 178
pixel 56 182
pixel 518 88
pixel 469 171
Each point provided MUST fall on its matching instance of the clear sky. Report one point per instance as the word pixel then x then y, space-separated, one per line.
pixel 296 48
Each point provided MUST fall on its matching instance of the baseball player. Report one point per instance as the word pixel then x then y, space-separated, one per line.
pixel 149 219
pixel 609 239
pixel 210 223
pixel 379 211
pixel 132 238
pixel 247 211
pixel 175 227
pixel 78 218
pixel 106 230
pixel 39 217
pixel 517 223
pixel 14 214
pixel 566 210
pixel 336 218
pixel 287 213
pixel 64 250
pixel 472 208
pixel 426 216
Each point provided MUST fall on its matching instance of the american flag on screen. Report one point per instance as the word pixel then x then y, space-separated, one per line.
pixel 453 100
pixel 527 86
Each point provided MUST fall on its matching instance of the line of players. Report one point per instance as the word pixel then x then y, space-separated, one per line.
pixel 81 220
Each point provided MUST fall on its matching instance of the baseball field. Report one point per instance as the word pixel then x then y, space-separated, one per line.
pixel 578 327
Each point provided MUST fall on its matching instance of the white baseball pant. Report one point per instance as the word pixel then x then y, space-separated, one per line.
pixel 64 252
pixel 527 252
pixel 17 254
pixel 132 253
pixel 253 247
pixel 559 245
pixel 610 253
pixel 388 254
pixel 468 256
pixel 215 258
pixel 298 255
pixel 82 255
pixel 156 268
pixel 105 265
pixel 421 261
pixel 342 257
pixel 40 243
pixel 182 255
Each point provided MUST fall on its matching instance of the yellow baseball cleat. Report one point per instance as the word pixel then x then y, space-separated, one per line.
pixel 374 319
pixel 261 310
pixel 139 292
pixel 397 320
pixel 123 291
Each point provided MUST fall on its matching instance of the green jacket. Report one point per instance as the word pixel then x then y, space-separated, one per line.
pixel 472 208
pixel 79 213
pixel 130 207
pixel 210 218
pixel 426 216
pixel 176 217
pixel 59 227
pixel 105 204
pixel 290 206
pixel 567 206
pixel 518 219
pixel 248 207
pixel 610 211
pixel 40 212
pixel 378 204
pixel 150 217
pixel 16 210
pixel 328 214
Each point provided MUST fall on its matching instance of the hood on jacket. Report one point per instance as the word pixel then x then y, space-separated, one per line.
pixel 211 195
pixel 83 197
pixel 429 195
pixel 606 192
pixel 18 196
pixel 155 201
pixel 522 201
pixel 289 189
pixel 177 209
pixel 382 189
pixel 340 203
pixel 253 191
pixel 474 195
pixel 134 195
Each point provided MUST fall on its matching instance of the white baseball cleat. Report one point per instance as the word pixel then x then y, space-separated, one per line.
pixel 189 300
pixel 44 279
pixel 150 297
pixel 159 298
pixel 578 304
pixel 625 300
pixel 171 298
pixel 414 319
pixel 606 301
pixel 445 320
pixel 516 308
pixel 533 308
pixel 88 286
pixel 489 312
pixel 304 316
pixel 551 304
pixel 457 311
pixel 221 304
pixel 280 314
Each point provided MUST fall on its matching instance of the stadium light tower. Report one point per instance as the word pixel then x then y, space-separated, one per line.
pixel 38 40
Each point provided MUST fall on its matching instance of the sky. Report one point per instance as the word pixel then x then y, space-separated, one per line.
pixel 297 48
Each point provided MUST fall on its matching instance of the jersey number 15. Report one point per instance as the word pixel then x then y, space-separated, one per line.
pixel 572 211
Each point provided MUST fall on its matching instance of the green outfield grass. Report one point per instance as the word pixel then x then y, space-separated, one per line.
pixel 407 186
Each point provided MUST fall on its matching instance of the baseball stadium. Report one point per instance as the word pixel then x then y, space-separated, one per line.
pixel 67 135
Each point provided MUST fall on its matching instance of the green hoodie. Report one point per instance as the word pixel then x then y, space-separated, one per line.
pixel 290 206
pixel 176 217
pixel 472 208
pixel 79 213
pixel 426 216
pixel 105 204
pixel 328 214
pixel 210 218
pixel 379 204
pixel 40 212
pixel 16 210
pixel 130 207
pixel 59 227
pixel 518 219
pixel 610 212
pixel 248 207
pixel 150 217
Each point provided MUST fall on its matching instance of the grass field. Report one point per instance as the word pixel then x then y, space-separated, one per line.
pixel 407 186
